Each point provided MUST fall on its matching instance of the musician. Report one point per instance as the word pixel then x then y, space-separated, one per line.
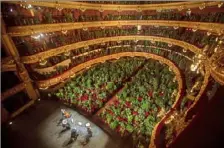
pixel 65 116
pixel 83 132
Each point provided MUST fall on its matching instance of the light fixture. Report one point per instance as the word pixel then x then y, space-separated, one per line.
pixel 139 27
pixel 180 8
pixel 29 6
pixel 85 29
pixel 11 9
pixel 79 123
pixel 119 41
pixel 188 12
pixel 139 9
pixel 216 39
pixel 67 53
pixel 216 49
pixel 170 45
pixel 10 123
pixel 194 29
pixel 38 99
pixel 43 88
pixel 86 47
pixel 36 37
pixel 64 31
pixel 73 76
pixel 194 67
pixel 102 27
pixel 170 69
pixel 135 41
pixel 209 33
pixel 101 10
pixel 43 62
pixel 175 27
pixel 200 56
pixel 174 80
pixel 220 5
pixel 82 9
pixel 202 6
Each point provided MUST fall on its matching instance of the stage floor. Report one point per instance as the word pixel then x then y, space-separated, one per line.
pixel 37 128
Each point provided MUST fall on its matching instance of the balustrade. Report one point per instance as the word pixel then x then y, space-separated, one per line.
pixel 30 45
pixel 16 15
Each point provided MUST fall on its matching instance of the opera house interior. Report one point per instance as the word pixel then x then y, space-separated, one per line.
pixel 112 74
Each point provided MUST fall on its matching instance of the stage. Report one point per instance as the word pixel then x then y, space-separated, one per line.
pixel 37 128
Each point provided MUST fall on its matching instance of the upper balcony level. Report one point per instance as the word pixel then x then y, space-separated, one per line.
pixel 33 13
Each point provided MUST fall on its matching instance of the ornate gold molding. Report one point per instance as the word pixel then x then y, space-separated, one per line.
pixel 12 91
pixel 7 67
pixel 52 68
pixel 72 72
pixel 52 52
pixel 63 63
pixel 102 7
pixel 7 60
pixel 191 97
pixel 8 64
pixel 67 61
pixel 217 76
pixel 184 124
pixel 22 72
pixel 216 66
pixel 215 28
pixel 196 99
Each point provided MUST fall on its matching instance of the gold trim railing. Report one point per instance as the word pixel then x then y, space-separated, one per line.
pixel 102 7
pixel 68 61
pixel 216 28
pixel 63 63
pixel 196 99
pixel 8 64
pixel 217 76
pixel 7 60
pixel 8 67
pixel 217 71
pixel 72 72
pixel 52 52
pixel 52 68
pixel 12 91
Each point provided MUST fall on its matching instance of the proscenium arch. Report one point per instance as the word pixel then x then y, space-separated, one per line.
pixel 85 6
pixel 52 52
pixel 216 28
